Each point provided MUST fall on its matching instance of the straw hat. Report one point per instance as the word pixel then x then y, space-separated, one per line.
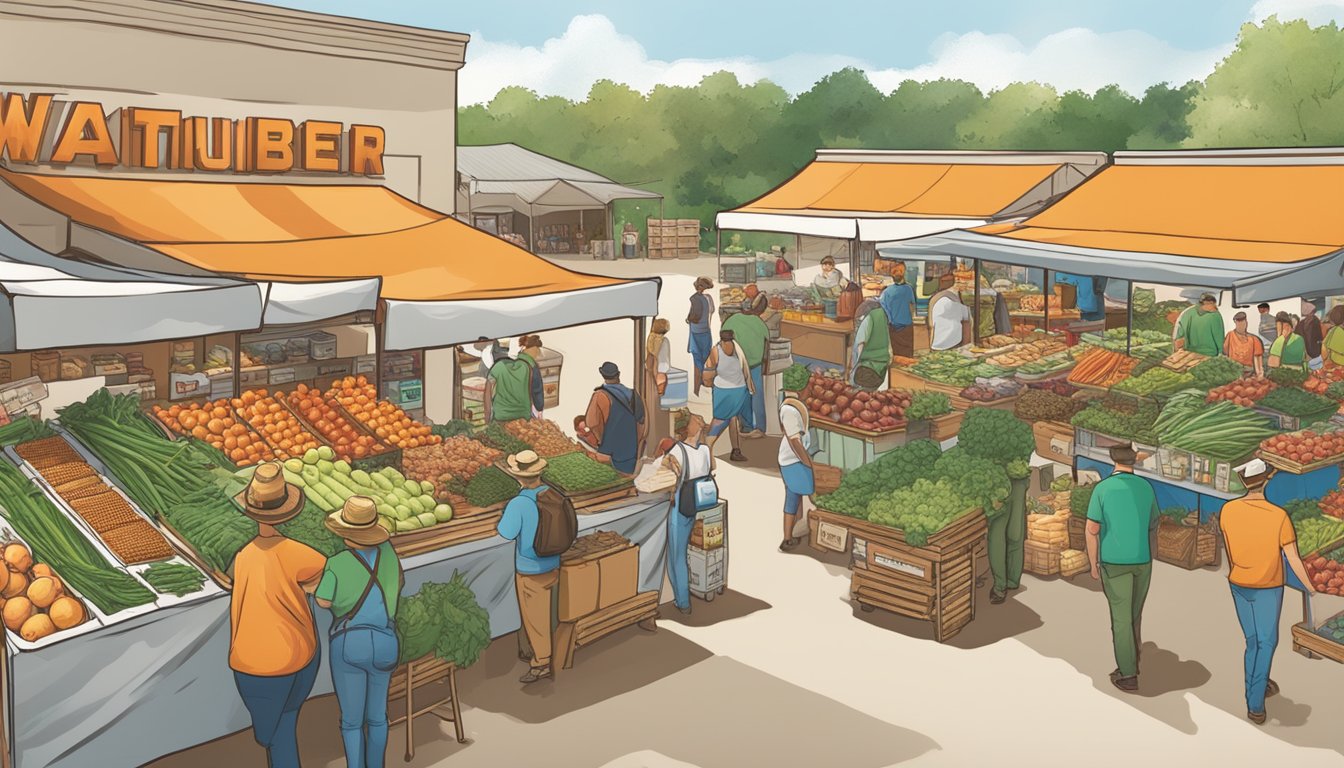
pixel 357 522
pixel 268 498
pixel 525 464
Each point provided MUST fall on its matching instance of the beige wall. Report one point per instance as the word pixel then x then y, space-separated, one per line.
pixel 223 59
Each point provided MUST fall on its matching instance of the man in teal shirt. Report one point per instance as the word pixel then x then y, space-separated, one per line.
pixel 751 334
pixel 1202 330
pixel 1121 520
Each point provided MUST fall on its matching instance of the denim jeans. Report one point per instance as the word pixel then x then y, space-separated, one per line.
pixel 273 703
pixel 1258 611
pixel 758 399
pixel 678 542
pixel 362 660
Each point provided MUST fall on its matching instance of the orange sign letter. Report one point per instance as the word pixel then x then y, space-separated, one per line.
pixel 366 150
pixel 21 131
pixel 85 133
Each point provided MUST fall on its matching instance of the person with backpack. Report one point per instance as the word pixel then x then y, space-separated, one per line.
pixel 690 460
pixel 361 587
pixel 615 417
pixel 698 318
pixel 543 524
pixel 509 390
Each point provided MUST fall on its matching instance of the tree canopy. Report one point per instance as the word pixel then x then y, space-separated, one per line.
pixel 722 142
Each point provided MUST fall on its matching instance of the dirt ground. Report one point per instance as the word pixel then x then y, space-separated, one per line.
pixel 783 671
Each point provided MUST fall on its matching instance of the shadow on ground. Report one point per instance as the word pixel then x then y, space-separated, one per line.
pixel 723 608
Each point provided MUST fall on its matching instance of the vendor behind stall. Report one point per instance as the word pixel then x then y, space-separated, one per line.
pixel 1201 330
pixel 949 319
pixel 898 302
pixel 1090 294
pixel 828 285
pixel 872 347
pixel 508 388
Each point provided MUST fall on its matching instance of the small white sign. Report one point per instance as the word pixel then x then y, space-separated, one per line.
pixel 898 565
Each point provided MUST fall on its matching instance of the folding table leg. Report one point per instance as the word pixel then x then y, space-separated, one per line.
pixel 410 717
pixel 457 706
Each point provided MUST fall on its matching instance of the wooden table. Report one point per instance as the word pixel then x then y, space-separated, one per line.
pixel 421 672
pixel 828 341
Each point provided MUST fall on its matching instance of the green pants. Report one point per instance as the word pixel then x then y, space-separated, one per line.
pixel 1007 536
pixel 1126 587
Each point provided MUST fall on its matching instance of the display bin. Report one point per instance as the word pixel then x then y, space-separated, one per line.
pixel 1189 545
pixel 1311 639
pixel 736 273
pixel 1078 533
pixel 945 427
pixel 1054 441
pixel 934 583
pixel 677 392
pixel 1041 559
pixel 849 448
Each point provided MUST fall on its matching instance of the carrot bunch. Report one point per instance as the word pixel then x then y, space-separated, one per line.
pixel 1102 368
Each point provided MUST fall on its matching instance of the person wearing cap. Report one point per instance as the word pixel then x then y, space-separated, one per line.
pixel 898 302
pixel 361 586
pixel 795 465
pixel 273 647
pixel 1122 518
pixel 1332 347
pixel 509 390
pixel 728 373
pixel 530 353
pixel 1268 328
pixel 1260 538
pixel 1309 328
pixel 828 284
pixel 689 458
pixel 1242 346
pixel 870 359
pixel 535 576
pixel 1201 330
pixel 1288 350
pixel 949 319
pixel 700 341
pixel 615 417
pixel 751 334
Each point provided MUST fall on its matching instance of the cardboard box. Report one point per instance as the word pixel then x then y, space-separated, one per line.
pixel 578 590
pixel 182 386
pixel 618 577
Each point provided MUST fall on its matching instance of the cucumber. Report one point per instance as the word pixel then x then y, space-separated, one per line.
pixel 414 505
pixel 412 487
pixel 335 501
pixel 320 501
pixel 336 489
pixel 392 499
pixel 403 512
pixel 402 494
pixel 342 466
pixel 392 474
pixel 311 457
pixel 311 475
pixel 427 502
pixel 426 487
pixel 325 466
pixel 325 453
pixel 294 465
pixel 361 477
pixel 427 519
pixel 409 524
pixel 386 510
pixel 296 479
pixel 380 481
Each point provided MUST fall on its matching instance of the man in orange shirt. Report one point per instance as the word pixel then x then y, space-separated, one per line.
pixel 1242 346
pixel 1259 537
pixel 273 647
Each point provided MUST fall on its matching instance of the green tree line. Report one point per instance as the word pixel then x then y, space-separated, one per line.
pixel 721 143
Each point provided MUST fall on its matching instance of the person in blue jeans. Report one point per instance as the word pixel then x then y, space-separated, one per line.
pixel 795 465
pixel 361 586
pixel 699 342
pixel 1260 538
pixel 689 459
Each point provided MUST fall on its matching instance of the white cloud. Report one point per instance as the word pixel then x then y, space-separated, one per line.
pixel 1316 12
pixel 592 49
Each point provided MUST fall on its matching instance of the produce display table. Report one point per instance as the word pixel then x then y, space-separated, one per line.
pixel 935 582
pixel 849 448
pixel 826 341
pixel 160 683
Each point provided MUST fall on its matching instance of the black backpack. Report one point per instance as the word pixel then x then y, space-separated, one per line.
pixel 557 524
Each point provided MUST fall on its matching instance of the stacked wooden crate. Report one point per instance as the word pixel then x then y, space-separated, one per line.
pixel 674 238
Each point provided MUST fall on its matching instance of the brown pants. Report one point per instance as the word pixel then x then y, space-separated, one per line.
pixel 535 598
pixel 902 341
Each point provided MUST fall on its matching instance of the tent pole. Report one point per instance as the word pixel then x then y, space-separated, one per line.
pixel 531 237
pixel 639 360
pixel 1048 291
pixel 379 326
pixel 580 223
pixel 1129 317
pixel 237 365
pixel 457 383
pixel 975 314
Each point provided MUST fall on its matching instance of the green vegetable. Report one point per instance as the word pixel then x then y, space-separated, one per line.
pixel 55 541
pixel 342 466
pixel 452 428
pixel 897 468
pixel 989 433
pixel 1215 372
pixel 1287 377
pixel 1298 403
pixel 1221 430
pixel 499 438
pixel 1335 391
pixel 325 453
pixel 919 511
pixel 443 513
pixel 294 465
pixel 1316 532
pixel 927 404
pixel 978 481
pixel 173 579
pixel 491 486
pixel 578 472
pixel 1301 509
pixel 795 378
pixel 443 619
pixel 1155 381
pixel 311 457
pixel 23 429
pixel 1119 418
pixel 1079 498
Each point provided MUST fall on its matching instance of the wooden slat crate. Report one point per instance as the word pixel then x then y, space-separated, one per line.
pixel 1310 644
pixel 1078 533
pixel 642 609
pixel 934 583
pixel 1041 560
pixel 1187 546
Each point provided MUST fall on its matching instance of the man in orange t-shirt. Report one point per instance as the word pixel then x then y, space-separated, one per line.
pixel 1242 346
pixel 1259 537
pixel 273 647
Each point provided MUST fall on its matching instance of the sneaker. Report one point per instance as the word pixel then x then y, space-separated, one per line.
pixel 1258 718
pixel 1126 684
pixel 787 544
pixel 996 597
pixel 536 673
pixel 1271 689
pixel 685 610
pixel 737 455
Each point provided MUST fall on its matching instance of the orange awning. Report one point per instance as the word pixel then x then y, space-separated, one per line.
pixel 301 233
pixel 1268 213
pixel 912 189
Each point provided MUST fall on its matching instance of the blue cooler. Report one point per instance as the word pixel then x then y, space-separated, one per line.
pixel 677 390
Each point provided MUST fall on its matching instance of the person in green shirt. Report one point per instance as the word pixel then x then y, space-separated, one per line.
pixel 361 586
pixel 508 388
pixel 1202 330
pixel 871 359
pixel 1332 348
pixel 1289 350
pixel 751 334
pixel 1121 520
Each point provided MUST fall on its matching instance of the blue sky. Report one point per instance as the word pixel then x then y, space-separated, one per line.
pixel 561 48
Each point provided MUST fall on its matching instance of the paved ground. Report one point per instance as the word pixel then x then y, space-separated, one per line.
pixel 783 671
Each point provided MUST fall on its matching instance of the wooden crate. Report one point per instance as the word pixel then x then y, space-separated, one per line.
pixel 1040 559
pixel 1054 441
pixel 902 379
pixel 934 583
pixel 1312 645
pixel 1078 533
pixel 1187 546
pixel 826 478
pixel 473 524
pixel 642 609
pixel 944 428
